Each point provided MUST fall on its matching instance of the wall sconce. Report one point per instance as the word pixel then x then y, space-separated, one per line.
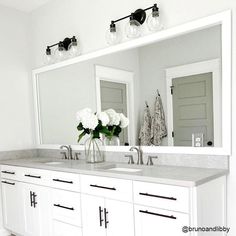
pixel 132 28
pixel 65 49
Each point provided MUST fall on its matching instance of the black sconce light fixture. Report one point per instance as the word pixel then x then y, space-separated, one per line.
pixel 65 49
pixel 133 29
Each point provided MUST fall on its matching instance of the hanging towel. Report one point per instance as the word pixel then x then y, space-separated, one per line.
pixel 158 126
pixel 145 131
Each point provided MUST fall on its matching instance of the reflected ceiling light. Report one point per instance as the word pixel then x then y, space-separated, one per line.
pixel 153 21
pixel 133 27
pixel 65 49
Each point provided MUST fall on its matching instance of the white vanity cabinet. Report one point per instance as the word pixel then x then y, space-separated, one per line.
pixel 12 205
pixel 51 203
pixel 102 213
pixel 36 210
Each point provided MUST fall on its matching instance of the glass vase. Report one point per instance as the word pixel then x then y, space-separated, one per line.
pixel 114 141
pixel 94 150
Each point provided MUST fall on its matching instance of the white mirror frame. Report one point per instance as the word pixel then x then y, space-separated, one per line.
pixel 223 19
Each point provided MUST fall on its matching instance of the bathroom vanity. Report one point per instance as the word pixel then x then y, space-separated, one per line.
pixel 45 198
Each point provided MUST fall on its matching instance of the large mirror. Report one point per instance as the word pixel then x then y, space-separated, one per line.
pixel 171 91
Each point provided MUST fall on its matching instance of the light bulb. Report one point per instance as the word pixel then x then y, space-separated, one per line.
pixel 153 21
pixel 74 49
pixel 60 53
pixel 113 35
pixel 133 28
pixel 48 57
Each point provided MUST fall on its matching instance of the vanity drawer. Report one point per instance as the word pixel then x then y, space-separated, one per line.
pixel 66 207
pixel 107 187
pixel 35 176
pixel 62 229
pixel 67 181
pixel 163 196
pixel 10 172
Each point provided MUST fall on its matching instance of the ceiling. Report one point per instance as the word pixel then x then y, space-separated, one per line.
pixel 23 5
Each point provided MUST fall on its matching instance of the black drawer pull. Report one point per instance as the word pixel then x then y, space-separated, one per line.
pixel 5 182
pixel 8 172
pixel 33 176
pixel 157 214
pixel 64 207
pixel 98 186
pixel 63 181
pixel 158 196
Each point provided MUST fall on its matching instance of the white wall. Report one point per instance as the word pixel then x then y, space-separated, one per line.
pixel 154 59
pixel 89 19
pixel 15 95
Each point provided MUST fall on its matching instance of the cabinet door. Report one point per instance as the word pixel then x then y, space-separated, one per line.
pixel 36 203
pixel 93 215
pixel 12 206
pixel 154 221
pixel 119 218
pixel 64 229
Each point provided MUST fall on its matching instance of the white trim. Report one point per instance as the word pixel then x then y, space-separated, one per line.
pixel 120 76
pixel 223 19
pixel 193 69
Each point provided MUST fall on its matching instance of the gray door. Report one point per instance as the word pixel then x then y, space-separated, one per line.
pixel 193 109
pixel 113 95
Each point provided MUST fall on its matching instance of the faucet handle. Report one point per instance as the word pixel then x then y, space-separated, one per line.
pixel 150 160
pixel 77 155
pixel 131 159
pixel 64 156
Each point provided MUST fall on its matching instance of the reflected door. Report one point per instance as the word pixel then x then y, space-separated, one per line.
pixel 114 95
pixel 193 109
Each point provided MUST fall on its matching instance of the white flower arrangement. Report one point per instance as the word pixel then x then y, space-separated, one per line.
pixel 109 122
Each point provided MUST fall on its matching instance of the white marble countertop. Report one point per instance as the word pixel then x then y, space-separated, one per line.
pixel 172 175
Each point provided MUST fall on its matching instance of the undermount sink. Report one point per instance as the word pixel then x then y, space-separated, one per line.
pixel 53 163
pixel 119 168
pixel 124 169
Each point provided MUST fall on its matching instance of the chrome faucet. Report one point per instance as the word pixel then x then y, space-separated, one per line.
pixel 69 151
pixel 140 154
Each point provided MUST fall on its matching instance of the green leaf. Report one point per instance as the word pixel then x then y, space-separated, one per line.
pixel 81 136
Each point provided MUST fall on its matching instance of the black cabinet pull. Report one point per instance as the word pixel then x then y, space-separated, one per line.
pixel 100 216
pixel 64 207
pixel 158 196
pixel 34 200
pixel 33 176
pixel 99 186
pixel 31 199
pixel 63 181
pixel 8 172
pixel 157 214
pixel 5 182
pixel 106 221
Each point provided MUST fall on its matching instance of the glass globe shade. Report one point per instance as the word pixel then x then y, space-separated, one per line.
pixel 74 49
pixel 48 59
pixel 60 54
pixel 133 29
pixel 113 36
pixel 153 22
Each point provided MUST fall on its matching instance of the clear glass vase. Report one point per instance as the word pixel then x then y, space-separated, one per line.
pixel 114 141
pixel 94 150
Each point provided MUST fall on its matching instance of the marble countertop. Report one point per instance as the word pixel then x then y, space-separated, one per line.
pixel 172 175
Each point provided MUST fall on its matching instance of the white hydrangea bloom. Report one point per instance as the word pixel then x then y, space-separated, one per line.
pixel 124 121
pixel 89 121
pixel 84 112
pixel 104 118
pixel 113 117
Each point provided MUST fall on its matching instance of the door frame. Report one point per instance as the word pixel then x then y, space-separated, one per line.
pixel 119 76
pixel 202 67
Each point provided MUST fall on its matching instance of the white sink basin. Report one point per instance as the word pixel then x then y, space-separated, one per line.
pixel 53 163
pixel 124 169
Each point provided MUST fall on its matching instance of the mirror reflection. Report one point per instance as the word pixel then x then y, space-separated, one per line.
pixel 169 90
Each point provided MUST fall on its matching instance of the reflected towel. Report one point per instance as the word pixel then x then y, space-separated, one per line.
pixel 145 131
pixel 158 126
